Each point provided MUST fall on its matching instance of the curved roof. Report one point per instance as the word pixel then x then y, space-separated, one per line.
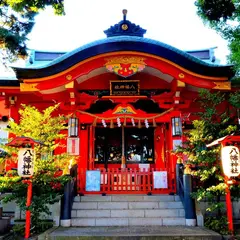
pixel 125 43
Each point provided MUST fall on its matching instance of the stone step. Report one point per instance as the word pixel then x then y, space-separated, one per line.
pixel 127 198
pixel 127 210
pixel 153 213
pixel 133 233
pixel 133 221
pixel 126 205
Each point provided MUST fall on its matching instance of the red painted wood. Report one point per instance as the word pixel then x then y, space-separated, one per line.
pixel 13 113
pixel 229 207
pixel 91 146
pixel 102 81
pixel 158 146
pixel 133 181
pixel 28 212
pixel 151 61
pixel 83 158
pixel 118 165
pixel 228 197
pixel 84 148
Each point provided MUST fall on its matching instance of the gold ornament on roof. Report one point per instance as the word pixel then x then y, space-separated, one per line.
pixel 69 77
pixel 125 60
pixel 181 75
pixel 125 66
pixel 28 87
pixel 124 27
pixel 222 85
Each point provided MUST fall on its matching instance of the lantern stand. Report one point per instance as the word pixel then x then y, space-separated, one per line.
pixel 22 142
pixel 224 142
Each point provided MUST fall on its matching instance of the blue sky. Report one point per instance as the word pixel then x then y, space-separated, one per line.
pixel 174 22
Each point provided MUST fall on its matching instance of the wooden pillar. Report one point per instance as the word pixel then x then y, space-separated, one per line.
pixel 83 158
pixel 28 212
pixel 228 201
pixel 159 147
pixel 91 137
pixel 83 162
pixel 172 160
pixel 13 113
pixel 229 206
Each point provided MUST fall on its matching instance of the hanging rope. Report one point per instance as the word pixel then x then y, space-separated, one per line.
pixel 124 116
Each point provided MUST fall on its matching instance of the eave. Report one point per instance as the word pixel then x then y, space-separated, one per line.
pixel 121 44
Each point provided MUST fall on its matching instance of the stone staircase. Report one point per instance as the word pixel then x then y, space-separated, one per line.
pixel 127 210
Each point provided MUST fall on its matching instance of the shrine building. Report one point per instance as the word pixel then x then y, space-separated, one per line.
pixel 129 98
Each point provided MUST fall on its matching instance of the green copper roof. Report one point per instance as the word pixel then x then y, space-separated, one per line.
pixel 125 43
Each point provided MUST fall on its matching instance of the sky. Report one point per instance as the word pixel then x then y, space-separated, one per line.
pixel 174 22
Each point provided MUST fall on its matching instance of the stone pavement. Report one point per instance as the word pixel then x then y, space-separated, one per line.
pixel 132 233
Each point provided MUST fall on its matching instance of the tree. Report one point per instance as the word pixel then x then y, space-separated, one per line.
pixel 49 178
pixel 17 20
pixel 217 118
pixel 224 17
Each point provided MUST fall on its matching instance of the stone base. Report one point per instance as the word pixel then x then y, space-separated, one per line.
pixel 65 223
pixel 191 222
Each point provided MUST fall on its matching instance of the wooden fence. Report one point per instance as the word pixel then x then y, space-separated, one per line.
pixel 129 181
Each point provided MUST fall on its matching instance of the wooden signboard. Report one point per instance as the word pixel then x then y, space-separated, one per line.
pixel 124 87
pixel 160 179
pixel 73 146
pixel 93 180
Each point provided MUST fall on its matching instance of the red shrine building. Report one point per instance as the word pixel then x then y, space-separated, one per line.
pixel 129 98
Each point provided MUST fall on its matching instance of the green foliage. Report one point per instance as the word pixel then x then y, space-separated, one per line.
pixel 48 179
pixel 216 10
pixel 224 17
pixel 18 231
pixel 217 224
pixel 235 99
pixel 214 122
pixel 17 20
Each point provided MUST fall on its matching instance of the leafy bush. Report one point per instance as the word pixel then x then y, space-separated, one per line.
pixel 217 224
pixel 49 169
pixel 216 119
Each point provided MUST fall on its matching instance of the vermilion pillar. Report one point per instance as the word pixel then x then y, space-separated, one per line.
pixel 83 156
pixel 159 147
pixel 228 202
pixel 28 212
pixel 83 162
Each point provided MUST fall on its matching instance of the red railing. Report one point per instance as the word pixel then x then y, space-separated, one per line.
pixel 131 181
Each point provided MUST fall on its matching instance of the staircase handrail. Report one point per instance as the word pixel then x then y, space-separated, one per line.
pixel 179 178
pixel 70 191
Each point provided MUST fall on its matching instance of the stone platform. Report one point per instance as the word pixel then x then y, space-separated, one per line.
pixel 132 233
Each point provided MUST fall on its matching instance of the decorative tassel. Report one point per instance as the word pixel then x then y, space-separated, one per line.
pixel 104 123
pixel 125 122
pixel 154 123
pixel 139 124
pixel 111 124
pixel 133 123
pixel 118 122
pixel 146 123
pixel 95 122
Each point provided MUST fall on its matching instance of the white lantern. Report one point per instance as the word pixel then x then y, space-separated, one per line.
pixel 176 127
pixel 25 162
pixel 72 127
pixel 230 161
